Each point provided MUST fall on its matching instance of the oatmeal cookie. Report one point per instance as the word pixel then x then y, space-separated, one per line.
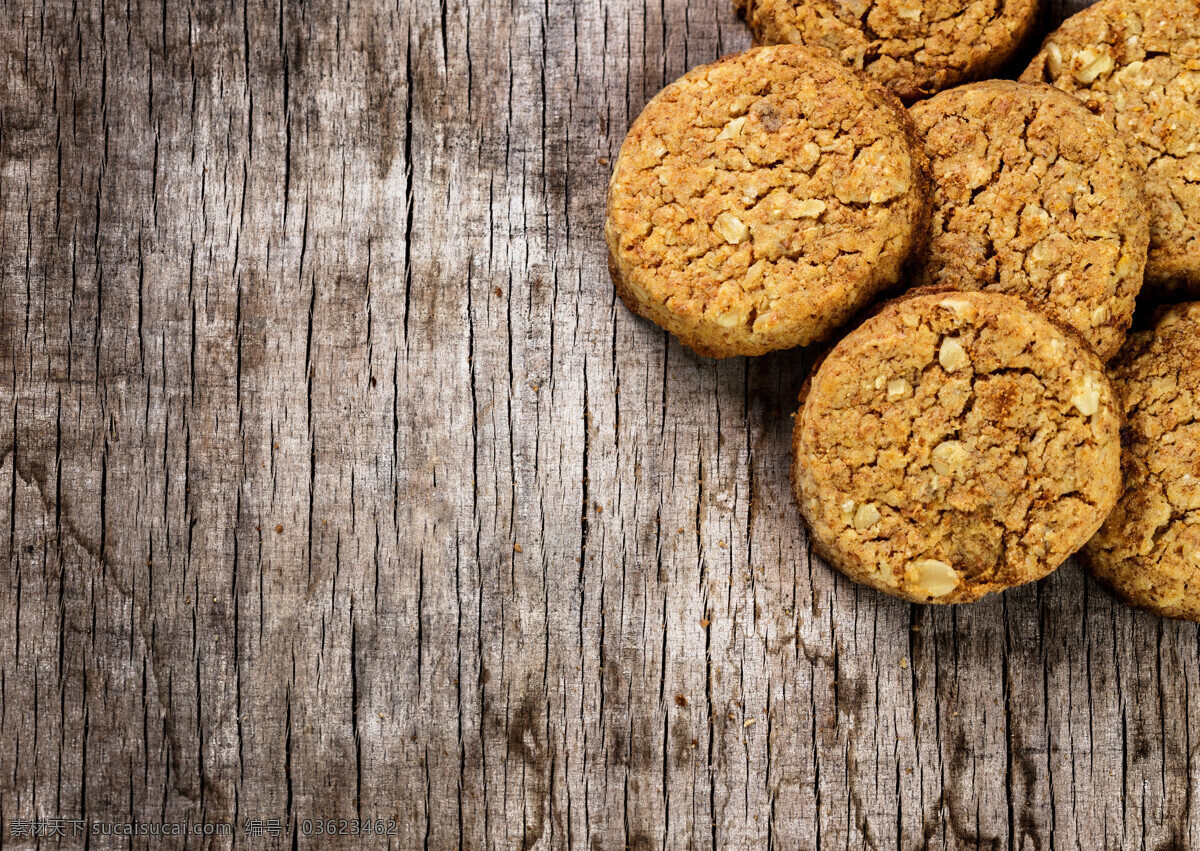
pixel 914 47
pixel 1035 197
pixel 759 201
pixel 954 444
pixel 1148 550
pixel 1138 63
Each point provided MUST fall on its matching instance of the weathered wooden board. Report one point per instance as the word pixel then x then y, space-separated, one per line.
pixel 336 483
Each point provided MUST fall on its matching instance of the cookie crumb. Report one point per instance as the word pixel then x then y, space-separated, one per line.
pixel 951 355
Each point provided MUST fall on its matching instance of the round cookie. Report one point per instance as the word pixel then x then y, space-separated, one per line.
pixel 914 47
pixel 1035 197
pixel 1138 63
pixel 1148 550
pixel 954 444
pixel 759 201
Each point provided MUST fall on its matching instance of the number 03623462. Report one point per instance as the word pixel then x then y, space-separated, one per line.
pixel 347 827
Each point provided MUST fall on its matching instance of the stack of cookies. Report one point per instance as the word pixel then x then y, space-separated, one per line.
pixel 967 436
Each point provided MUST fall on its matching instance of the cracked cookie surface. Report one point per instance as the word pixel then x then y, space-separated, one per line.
pixel 1035 197
pixel 759 201
pixel 1138 63
pixel 1148 550
pixel 954 444
pixel 914 47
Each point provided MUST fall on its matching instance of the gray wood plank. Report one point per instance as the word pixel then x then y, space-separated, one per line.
pixel 335 482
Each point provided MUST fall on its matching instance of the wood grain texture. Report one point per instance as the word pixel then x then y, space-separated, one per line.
pixel 335 482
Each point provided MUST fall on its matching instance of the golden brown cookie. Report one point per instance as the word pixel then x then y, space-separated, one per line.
pixel 1035 197
pixel 759 201
pixel 914 47
pixel 1138 63
pixel 1148 550
pixel 954 444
